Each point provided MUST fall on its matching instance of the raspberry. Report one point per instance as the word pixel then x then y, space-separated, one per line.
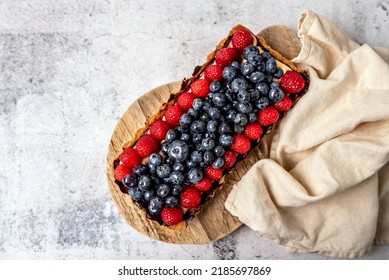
pixel 253 131
pixel 291 82
pixel 203 185
pixel 284 104
pixel 158 129
pixel 229 159
pixel 200 88
pixel 242 39
pixel 225 56
pixel 184 100
pixel 130 158
pixel 120 171
pixel 190 198
pixel 213 72
pixel 147 145
pixel 172 216
pixel 240 144
pixel 173 114
pixel 213 173
pixel 268 116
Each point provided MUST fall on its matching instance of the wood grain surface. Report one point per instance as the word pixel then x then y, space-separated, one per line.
pixel 214 221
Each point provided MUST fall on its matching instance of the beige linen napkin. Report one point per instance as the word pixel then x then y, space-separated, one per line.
pixel 325 186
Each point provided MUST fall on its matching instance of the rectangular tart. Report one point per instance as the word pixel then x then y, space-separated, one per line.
pixel 176 162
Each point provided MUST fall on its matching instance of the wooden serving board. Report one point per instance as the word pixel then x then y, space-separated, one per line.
pixel 214 221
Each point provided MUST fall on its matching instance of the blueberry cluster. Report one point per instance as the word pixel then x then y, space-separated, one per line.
pixel 206 130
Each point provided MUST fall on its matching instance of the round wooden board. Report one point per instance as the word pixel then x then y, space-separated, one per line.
pixel 214 221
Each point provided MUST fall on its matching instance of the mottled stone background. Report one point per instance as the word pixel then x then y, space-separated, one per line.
pixel 69 69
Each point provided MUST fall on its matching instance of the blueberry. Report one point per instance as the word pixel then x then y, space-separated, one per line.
pixel 239 84
pixel 163 190
pixel 177 189
pixel 227 107
pixel 170 135
pixel 208 157
pixel 210 135
pixel 156 179
pixel 254 58
pixel 235 64
pixel 155 159
pixel 274 85
pixel 198 126
pixel 243 96
pixel 219 151
pixel 257 77
pixel 139 170
pixel 196 138
pixel 268 79
pixel 205 117
pixel 165 147
pixel 185 120
pixel 262 66
pixel 240 119
pixel 190 163
pixel 254 94
pixel 181 129
pixel 214 113
pixel 263 89
pixel 219 99
pixel 210 95
pixel 185 137
pixel 271 65
pixel 245 108
pixel 252 117
pixel 164 170
pixel 178 166
pixel 178 150
pixel 212 126
pixel 214 86
pixel 208 143
pixel 222 117
pixel 130 180
pixel 206 106
pixel 155 205
pixel 229 73
pixel 135 193
pixel 262 103
pixel 225 140
pixel 196 156
pixel 218 163
pixel 171 201
pixel 238 129
pixel 149 194
pixel 145 182
pixel 176 177
pixel 195 175
pixel 247 68
pixel 231 115
pixel 197 104
pixel 152 169
pixel 276 94
pixel 266 55
pixel 249 49
pixel 224 128
pixel 194 114
pixel 278 74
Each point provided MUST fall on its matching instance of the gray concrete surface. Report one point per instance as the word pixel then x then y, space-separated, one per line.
pixel 69 69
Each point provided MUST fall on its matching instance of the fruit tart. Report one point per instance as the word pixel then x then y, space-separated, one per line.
pixel 180 158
